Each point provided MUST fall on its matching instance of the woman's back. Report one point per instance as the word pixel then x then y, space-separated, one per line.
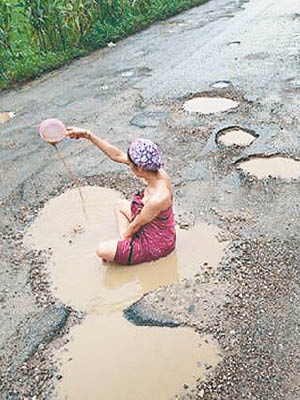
pixel 152 241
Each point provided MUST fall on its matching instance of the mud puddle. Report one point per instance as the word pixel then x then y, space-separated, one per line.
pixel 235 136
pixel 109 357
pixel 209 105
pixel 81 279
pixel 275 167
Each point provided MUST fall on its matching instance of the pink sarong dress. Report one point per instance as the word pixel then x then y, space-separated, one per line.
pixel 152 241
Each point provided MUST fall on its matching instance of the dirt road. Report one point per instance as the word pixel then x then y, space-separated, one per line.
pixel 244 51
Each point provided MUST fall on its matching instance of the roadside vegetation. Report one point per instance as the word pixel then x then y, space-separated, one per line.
pixel 40 35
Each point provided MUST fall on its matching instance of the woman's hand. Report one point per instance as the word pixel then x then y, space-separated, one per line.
pixel 77 133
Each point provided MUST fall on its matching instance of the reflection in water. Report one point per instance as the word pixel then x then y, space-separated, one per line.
pixel 119 286
pixel 110 358
pixel 152 275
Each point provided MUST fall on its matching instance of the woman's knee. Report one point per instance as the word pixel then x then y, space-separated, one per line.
pixel 122 206
pixel 100 250
pixel 107 250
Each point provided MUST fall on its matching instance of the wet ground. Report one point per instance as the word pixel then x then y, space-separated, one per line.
pixel 247 52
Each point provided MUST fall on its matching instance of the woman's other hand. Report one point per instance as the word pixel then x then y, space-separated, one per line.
pixel 77 133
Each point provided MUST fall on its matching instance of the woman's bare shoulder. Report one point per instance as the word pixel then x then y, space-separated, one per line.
pixel 162 197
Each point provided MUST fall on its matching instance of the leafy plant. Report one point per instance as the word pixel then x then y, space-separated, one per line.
pixel 39 35
pixel 6 25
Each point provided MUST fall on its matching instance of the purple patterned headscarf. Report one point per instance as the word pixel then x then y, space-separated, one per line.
pixel 146 154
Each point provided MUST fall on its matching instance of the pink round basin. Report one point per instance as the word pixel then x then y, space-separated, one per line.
pixel 52 130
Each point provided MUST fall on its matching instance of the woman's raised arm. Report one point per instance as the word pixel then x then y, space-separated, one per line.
pixel 113 152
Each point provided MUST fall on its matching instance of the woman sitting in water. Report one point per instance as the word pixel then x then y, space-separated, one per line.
pixel 146 225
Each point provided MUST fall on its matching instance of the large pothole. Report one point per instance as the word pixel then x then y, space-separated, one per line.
pixel 108 356
pixel 209 105
pixel 235 136
pixel 81 280
pixel 272 166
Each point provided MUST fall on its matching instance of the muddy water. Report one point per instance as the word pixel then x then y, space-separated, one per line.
pixel 81 279
pixel 112 359
pixel 106 348
pixel 276 167
pixel 235 136
pixel 209 105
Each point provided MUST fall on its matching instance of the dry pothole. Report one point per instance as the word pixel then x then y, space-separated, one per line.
pixel 209 105
pixel 271 167
pixel 6 116
pixel 235 136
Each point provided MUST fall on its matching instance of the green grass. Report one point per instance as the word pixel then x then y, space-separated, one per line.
pixel 37 36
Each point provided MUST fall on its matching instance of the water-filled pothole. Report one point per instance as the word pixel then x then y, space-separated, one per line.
pixel 273 166
pixel 6 116
pixel 109 357
pixel 235 136
pixel 209 105
pixel 81 280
